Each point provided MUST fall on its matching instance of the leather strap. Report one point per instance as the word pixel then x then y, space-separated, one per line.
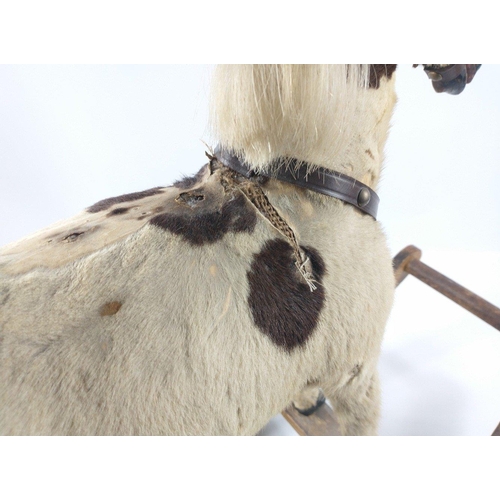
pixel 322 181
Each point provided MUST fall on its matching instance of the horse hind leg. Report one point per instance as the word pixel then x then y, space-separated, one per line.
pixel 357 405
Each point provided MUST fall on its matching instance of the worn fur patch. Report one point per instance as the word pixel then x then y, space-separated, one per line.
pixel 282 305
pixel 199 227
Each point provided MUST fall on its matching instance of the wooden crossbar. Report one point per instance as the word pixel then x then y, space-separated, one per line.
pixel 408 262
pixel 322 422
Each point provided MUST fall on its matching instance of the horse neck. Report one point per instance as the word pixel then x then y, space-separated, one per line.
pixel 319 114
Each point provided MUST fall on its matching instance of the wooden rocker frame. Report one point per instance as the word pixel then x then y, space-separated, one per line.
pixel 322 422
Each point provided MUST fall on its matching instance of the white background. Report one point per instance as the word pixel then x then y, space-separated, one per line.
pixel 72 135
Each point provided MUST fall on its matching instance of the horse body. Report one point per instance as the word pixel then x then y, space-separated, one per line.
pixel 180 310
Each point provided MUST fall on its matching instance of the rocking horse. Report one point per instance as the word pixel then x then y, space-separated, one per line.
pixel 209 306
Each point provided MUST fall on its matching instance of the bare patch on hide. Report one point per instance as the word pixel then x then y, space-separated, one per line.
pixel 201 227
pixel 110 308
pixel 72 237
pixel 379 71
pixel 282 305
pixel 191 198
pixel 109 202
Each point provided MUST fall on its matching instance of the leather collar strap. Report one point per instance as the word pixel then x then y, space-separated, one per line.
pixel 322 181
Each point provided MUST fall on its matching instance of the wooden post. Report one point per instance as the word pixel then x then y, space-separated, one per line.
pixel 408 262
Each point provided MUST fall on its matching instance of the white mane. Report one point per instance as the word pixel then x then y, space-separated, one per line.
pixel 263 112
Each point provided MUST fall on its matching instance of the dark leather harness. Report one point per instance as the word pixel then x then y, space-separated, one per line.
pixel 321 180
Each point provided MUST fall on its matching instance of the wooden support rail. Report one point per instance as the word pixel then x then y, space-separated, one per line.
pixel 408 262
pixel 322 422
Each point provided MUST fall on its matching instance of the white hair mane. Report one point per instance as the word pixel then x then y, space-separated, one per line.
pixel 308 112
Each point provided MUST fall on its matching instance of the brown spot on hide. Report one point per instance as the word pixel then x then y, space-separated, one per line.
pixel 200 227
pixel 370 154
pixel 282 305
pixel 378 71
pixel 189 182
pixel 118 211
pixel 110 308
pixel 109 202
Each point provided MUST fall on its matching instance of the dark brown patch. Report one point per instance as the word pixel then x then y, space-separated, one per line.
pixel 370 154
pixel 201 227
pixel 189 182
pixel 378 71
pixel 282 305
pixel 110 308
pixel 118 211
pixel 109 202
